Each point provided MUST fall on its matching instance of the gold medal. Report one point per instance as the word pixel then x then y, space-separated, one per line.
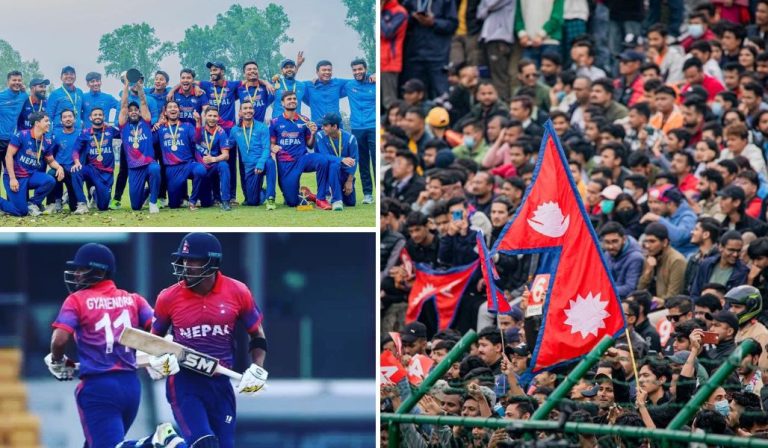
pixel 135 145
pixel 100 158
pixel 174 147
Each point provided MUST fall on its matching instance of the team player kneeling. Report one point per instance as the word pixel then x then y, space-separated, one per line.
pixel 168 136
pixel 108 395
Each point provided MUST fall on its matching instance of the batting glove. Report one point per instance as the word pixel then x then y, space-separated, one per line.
pixel 62 370
pixel 253 380
pixel 162 366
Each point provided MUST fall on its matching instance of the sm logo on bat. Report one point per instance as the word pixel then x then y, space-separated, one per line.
pixel 199 362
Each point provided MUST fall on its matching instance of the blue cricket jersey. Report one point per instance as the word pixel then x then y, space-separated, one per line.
pixel 31 153
pixel 62 99
pixel 253 144
pixel 260 98
pixel 160 98
pixel 91 140
pixel 183 135
pixel 223 97
pixel 140 132
pixel 26 111
pixel 291 134
pixel 297 87
pixel 64 146
pixel 346 146
pixel 11 104
pixel 324 97
pixel 188 104
pixel 362 103
pixel 210 144
pixel 104 101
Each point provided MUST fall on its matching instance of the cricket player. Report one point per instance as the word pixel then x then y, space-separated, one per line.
pixel 64 140
pixel 136 135
pixel 35 103
pixel 252 141
pixel 212 151
pixel 66 97
pixel 203 308
pixel 188 100
pixel 99 164
pixel 341 145
pixel 12 100
pixel 323 95
pixel 361 93
pixel 177 142
pixel 27 152
pixel 96 98
pixel 96 312
pixel 253 91
pixel 290 135
pixel 287 82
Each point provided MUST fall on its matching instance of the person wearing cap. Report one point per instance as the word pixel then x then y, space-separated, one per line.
pixel 664 268
pixel 733 205
pixel 726 325
pixel 361 93
pixel 12 100
pixel 66 97
pixel 28 152
pixel 438 121
pixel 414 337
pixel 725 268
pixel 36 102
pixel 290 136
pixel 629 85
pixel 251 140
pixel 693 70
pixel 669 207
pixel 287 82
pixel 96 98
pixel 343 146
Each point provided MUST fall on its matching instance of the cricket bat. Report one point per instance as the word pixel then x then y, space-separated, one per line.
pixel 190 359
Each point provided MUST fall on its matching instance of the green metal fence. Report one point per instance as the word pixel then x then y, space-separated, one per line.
pixel 538 421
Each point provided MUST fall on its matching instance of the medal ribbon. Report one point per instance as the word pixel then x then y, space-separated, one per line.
pixel 335 151
pixel 99 143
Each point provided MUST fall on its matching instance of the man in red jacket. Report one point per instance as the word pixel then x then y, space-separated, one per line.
pixel 394 21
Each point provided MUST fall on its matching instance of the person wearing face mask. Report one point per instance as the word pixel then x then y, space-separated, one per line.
pixel 627 213
pixel 698 30
pixel 474 146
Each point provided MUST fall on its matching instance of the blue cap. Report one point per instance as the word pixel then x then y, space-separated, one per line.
pixel 91 76
pixel 215 64
pixel 199 245
pixel 39 82
pixel 94 256
pixel 287 62
pixel 331 118
pixel 631 56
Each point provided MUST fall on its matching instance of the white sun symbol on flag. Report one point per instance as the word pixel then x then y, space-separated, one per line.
pixel 586 315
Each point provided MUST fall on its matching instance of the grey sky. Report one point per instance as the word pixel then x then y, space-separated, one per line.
pixel 67 32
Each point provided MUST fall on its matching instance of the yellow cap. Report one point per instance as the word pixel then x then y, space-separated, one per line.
pixel 438 118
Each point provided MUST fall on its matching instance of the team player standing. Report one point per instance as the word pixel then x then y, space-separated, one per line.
pixel 203 308
pixel 159 152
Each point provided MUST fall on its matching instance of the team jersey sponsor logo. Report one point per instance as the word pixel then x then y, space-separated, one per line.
pixel 201 331
pixel 108 303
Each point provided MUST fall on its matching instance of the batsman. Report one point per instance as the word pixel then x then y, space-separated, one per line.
pixel 203 308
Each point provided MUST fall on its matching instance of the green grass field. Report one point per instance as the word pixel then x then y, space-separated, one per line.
pixel 240 216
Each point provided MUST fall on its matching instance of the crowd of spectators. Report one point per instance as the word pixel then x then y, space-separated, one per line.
pixel 661 109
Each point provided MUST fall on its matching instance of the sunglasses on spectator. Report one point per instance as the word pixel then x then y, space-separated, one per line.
pixel 530 75
pixel 674 317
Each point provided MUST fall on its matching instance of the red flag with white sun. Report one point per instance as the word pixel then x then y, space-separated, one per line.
pixel 581 305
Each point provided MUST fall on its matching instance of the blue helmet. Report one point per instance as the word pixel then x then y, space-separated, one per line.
pixel 92 263
pixel 197 246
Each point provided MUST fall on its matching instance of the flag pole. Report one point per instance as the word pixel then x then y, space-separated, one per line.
pixel 632 356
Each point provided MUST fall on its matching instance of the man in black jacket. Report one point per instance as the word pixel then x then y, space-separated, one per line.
pixel 726 268
pixel 406 184
pixel 733 205
pixel 726 325
pixel 428 42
